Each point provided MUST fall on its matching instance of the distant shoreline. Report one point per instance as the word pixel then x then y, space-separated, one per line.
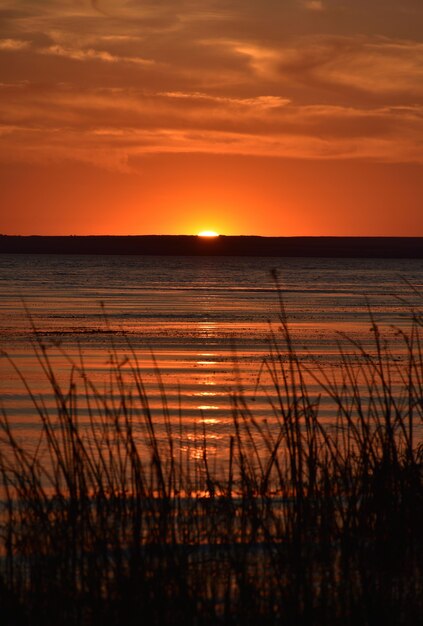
pixel 242 245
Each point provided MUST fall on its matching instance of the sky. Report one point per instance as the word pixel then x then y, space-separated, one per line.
pixel 267 117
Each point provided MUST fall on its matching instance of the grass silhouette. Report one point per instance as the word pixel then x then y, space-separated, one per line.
pixel 311 522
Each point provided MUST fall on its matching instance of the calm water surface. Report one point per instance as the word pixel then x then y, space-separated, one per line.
pixel 196 315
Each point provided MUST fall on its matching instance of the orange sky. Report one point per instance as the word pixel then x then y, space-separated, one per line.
pixel 272 117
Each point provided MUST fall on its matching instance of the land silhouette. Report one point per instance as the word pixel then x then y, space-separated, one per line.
pixel 246 245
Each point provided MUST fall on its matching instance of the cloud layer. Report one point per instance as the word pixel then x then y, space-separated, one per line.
pixel 105 81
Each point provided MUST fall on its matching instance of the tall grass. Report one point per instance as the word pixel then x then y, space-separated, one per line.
pixel 307 522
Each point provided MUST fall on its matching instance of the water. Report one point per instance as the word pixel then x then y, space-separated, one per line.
pixel 198 316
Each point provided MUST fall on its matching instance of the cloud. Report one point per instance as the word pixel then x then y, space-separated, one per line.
pixel 118 150
pixel 314 5
pixel 110 128
pixel 13 44
pixel 261 59
pixel 90 54
pixel 259 102
pixel 373 65
pixel 312 65
pixel 79 55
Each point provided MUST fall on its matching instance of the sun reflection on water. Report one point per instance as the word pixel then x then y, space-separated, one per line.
pixel 211 421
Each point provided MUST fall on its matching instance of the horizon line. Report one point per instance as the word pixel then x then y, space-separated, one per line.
pixel 220 235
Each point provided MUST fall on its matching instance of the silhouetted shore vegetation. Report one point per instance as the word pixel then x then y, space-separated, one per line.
pixel 309 521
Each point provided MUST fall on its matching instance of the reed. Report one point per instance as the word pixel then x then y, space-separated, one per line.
pixel 307 521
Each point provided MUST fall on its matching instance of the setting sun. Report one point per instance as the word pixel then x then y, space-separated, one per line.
pixel 208 233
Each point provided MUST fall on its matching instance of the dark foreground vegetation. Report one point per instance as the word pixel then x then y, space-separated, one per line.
pixel 307 522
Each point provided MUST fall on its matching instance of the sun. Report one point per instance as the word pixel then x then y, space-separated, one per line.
pixel 208 233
